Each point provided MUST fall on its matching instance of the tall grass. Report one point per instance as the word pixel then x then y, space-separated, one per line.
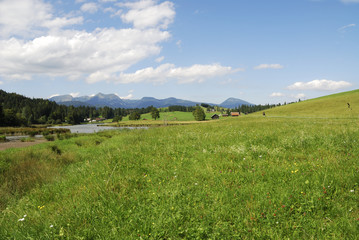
pixel 243 178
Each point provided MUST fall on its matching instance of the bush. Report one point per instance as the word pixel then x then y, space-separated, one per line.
pixel 29 139
pixel 199 114
pixel 49 137
pixel 134 116
pixel 2 138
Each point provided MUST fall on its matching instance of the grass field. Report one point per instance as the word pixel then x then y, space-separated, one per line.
pixel 332 106
pixel 251 177
pixel 174 116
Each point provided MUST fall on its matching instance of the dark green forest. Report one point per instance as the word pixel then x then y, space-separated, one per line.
pixel 17 110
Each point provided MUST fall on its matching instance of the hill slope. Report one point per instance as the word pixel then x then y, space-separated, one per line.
pixel 333 106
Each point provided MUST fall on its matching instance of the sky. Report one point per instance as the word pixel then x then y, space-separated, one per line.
pixel 261 51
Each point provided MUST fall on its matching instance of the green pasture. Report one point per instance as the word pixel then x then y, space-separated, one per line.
pixel 240 178
pixel 332 106
pixel 174 116
pixel 250 177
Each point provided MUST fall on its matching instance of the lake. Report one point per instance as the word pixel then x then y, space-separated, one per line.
pixel 92 128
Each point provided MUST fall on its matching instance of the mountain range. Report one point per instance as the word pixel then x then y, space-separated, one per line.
pixel 113 101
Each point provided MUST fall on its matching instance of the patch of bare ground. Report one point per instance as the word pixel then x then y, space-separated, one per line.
pixel 19 144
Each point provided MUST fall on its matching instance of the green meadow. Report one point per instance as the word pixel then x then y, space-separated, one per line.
pixel 293 176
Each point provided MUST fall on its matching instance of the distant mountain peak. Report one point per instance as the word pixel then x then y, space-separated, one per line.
pixel 114 101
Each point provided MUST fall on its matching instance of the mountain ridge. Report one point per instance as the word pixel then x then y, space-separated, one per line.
pixel 114 101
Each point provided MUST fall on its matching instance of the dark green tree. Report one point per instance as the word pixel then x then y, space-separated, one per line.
pixel 135 116
pixel 117 119
pixel 199 114
pixel 2 116
pixel 155 113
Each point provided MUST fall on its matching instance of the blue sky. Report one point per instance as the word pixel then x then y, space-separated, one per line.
pixel 262 51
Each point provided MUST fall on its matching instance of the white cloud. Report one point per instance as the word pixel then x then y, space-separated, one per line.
pixel 30 18
pixel 78 52
pixel 76 94
pixel 160 59
pixel 323 84
pixel 299 96
pixel 268 66
pixel 53 95
pixel 342 29
pixel 147 14
pixel 89 7
pixel 277 94
pixel 1 82
pixel 166 72
pixel 129 96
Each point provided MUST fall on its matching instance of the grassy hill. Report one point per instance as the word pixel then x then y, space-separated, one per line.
pixel 331 106
pixel 235 178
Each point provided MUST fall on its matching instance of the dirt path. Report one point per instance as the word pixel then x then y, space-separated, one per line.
pixel 19 144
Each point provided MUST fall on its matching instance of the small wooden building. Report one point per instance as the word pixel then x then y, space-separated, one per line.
pixel 235 114
pixel 215 116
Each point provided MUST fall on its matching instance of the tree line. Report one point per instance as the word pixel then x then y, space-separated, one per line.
pixel 18 110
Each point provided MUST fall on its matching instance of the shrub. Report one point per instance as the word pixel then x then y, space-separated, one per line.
pixel 2 138
pixel 49 137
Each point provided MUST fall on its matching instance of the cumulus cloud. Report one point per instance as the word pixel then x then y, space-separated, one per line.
pixel 78 52
pixel 129 96
pixel 277 94
pixel 160 59
pixel 166 72
pixel 323 85
pixel 146 13
pixel 268 66
pixel 299 96
pixel 29 18
pixel 89 7
pixel 34 41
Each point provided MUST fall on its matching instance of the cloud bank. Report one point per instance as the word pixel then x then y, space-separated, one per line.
pixel 322 85
pixel 163 73
pixel 36 40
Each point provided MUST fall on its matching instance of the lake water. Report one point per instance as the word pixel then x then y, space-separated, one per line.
pixel 92 128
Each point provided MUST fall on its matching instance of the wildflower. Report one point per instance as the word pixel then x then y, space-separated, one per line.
pixel 352 190
pixel 260 156
pixel 51 226
pixel 196 184
pixel 22 219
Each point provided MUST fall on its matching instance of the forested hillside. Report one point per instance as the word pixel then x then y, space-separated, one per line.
pixel 17 110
